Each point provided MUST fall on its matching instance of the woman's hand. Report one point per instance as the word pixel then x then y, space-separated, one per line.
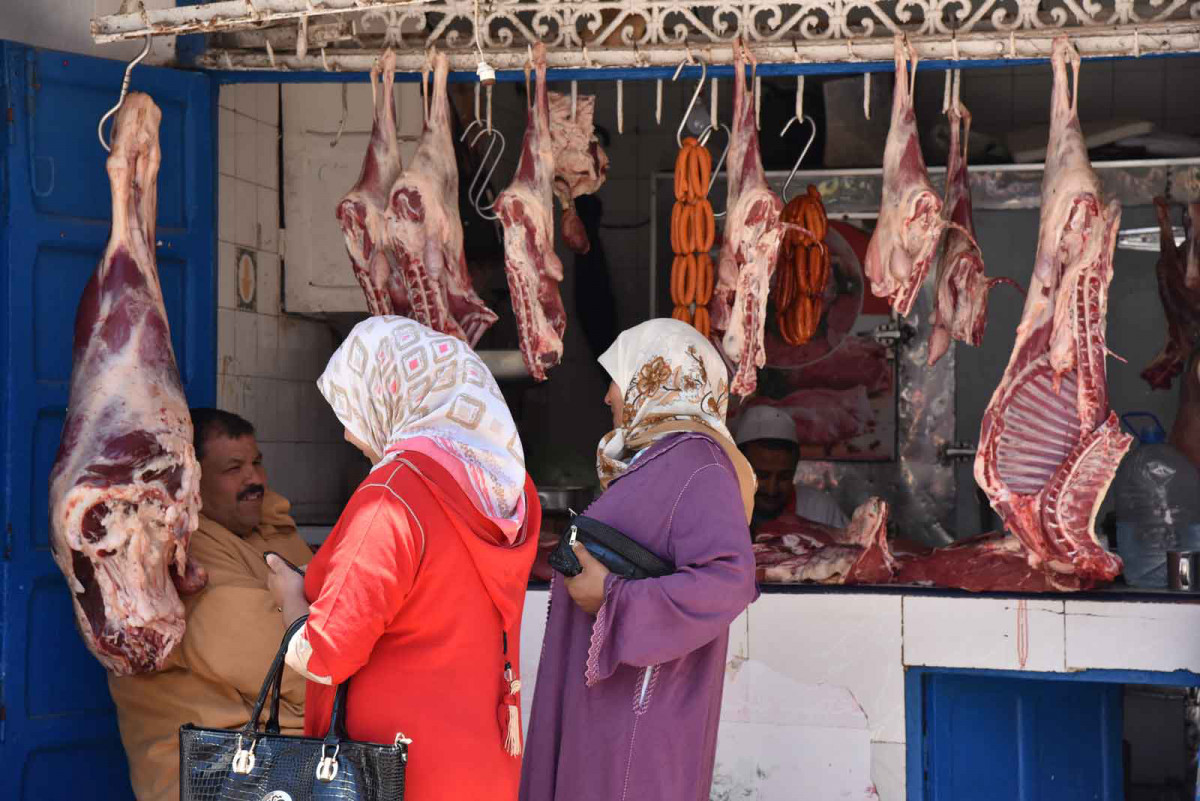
pixel 287 587
pixel 587 589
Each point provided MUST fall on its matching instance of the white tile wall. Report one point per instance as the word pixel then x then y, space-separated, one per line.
pixel 267 360
pixel 982 633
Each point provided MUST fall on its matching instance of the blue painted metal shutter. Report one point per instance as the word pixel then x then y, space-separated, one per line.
pixel 1007 739
pixel 58 736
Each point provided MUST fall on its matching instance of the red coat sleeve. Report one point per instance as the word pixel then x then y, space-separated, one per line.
pixel 369 574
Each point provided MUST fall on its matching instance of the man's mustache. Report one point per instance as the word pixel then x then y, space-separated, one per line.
pixel 253 489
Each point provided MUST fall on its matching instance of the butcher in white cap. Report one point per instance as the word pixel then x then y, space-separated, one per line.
pixel 767 436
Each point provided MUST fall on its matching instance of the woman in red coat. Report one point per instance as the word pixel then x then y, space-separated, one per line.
pixel 416 597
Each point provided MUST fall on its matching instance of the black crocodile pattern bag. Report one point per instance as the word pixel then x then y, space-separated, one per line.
pixel 253 765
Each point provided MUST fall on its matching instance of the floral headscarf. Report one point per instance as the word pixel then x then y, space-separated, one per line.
pixel 673 381
pixel 397 385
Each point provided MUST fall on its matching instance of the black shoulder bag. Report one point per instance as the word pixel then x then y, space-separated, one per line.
pixel 253 765
pixel 614 550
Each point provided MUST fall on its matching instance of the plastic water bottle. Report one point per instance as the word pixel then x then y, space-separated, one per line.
pixel 1157 504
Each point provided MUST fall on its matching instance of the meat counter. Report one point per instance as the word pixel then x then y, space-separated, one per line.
pixel 878 692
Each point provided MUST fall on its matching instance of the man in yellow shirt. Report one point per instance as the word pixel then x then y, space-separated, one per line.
pixel 213 676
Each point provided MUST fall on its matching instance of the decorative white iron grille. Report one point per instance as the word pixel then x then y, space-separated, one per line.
pixel 347 34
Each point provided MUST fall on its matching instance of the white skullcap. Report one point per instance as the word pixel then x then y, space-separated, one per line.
pixel 765 422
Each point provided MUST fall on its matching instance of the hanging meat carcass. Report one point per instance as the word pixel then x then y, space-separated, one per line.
pixel 580 164
pixel 425 230
pixel 793 549
pixel 960 306
pixel 1049 444
pixel 910 216
pixel 125 487
pixel 750 245
pixel 362 212
pixel 1180 300
pixel 526 210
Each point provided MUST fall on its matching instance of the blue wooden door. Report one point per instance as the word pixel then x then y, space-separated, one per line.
pixel 58 731
pixel 1011 739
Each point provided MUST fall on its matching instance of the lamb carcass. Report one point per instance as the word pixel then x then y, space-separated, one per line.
pixel 125 488
pixel 1180 300
pixel 362 212
pixel 526 210
pixel 960 307
pixel 750 244
pixel 1049 444
pixel 580 164
pixel 793 549
pixel 910 222
pixel 426 231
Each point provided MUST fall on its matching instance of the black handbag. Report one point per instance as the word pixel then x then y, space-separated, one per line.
pixel 253 765
pixel 614 550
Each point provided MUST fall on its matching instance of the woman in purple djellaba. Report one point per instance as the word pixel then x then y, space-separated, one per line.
pixel 628 694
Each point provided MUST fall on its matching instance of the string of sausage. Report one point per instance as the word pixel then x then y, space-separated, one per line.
pixel 803 267
pixel 693 232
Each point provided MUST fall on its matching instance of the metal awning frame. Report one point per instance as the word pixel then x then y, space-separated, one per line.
pixel 638 35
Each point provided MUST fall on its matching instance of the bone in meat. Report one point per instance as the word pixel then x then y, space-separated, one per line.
pixel 526 211
pixel 1181 303
pixel 580 164
pixel 995 562
pixel 1049 444
pixel 125 487
pixel 362 212
pixel 793 549
pixel 910 216
pixel 426 231
pixel 960 307
pixel 750 245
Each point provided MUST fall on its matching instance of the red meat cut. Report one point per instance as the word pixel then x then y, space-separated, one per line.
pixel 1180 300
pixel 960 306
pixel 910 222
pixel 362 212
pixel 1049 444
pixel 793 549
pixel 426 231
pixel 580 164
pixel 995 562
pixel 753 232
pixel 826 416
pixel 526 210
pixel 125 487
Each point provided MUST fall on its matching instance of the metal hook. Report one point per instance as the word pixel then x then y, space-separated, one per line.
pixel 695 96
pixel 124 92
pixel 703 141
pixel 481 181
pixel 345 111
pixel 811 138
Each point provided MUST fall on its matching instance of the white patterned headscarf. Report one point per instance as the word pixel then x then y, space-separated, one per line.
pixel 397 385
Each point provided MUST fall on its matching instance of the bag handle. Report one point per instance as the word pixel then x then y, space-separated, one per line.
pixel 274 678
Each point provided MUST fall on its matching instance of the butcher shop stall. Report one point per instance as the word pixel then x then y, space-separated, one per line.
pixel 954 248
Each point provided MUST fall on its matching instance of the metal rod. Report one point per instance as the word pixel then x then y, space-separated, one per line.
pixel 820 57
pixel 124 91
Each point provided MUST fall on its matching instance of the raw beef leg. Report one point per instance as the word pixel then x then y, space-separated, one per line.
pixel 125 488
pixel 750 245
pixel 1181 303
pixel 1049 444
pixel 526 211
pixel 793 549
pixel 426 231
pixel 910 217
pixel 361 214
pixel 960 308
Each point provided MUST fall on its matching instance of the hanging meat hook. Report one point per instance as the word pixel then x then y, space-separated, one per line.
pixel 695 96
pixel 811 138
pixel 716 170
pixel 124 92
pixel 482 180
